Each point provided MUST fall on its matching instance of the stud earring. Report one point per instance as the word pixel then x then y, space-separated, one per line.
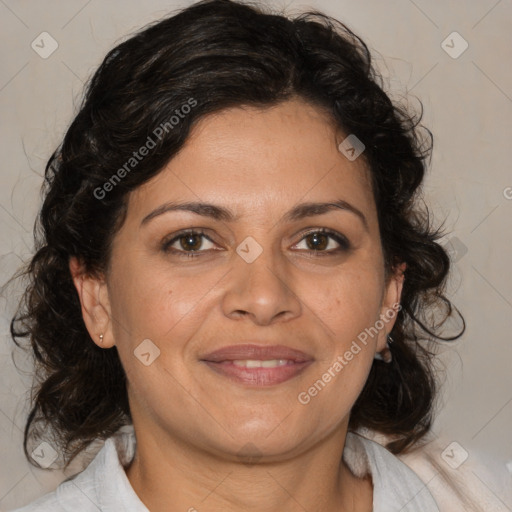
pixel 101 339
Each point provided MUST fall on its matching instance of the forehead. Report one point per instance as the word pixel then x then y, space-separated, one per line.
pixel 254 158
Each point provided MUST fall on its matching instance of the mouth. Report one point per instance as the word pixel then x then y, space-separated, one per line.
pixel 257 365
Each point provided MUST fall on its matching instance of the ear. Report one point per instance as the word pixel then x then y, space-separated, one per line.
pixel 93 294
pixel 390 305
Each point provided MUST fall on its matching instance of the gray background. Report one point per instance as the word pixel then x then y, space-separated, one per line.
pixel 468 107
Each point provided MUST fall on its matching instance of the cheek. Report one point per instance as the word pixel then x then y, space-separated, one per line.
pixel 349 305
pixel 151 302
pixel 345 303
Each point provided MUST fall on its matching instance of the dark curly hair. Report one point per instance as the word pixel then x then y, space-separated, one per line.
pixel 210 56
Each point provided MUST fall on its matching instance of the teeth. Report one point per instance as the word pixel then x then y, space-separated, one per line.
pixel 254 363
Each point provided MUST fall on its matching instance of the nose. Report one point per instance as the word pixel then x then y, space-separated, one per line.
pixel 260 290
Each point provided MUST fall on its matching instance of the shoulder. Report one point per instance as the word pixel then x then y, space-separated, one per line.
pixel 90 490
pixel 78 492
pixel 427 468
pixel 395 485
pixel 47 503
pixel 458 480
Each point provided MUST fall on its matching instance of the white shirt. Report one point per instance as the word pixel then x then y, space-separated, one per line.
pixel 104 486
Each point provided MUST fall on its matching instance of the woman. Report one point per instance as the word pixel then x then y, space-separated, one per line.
pixel 234 282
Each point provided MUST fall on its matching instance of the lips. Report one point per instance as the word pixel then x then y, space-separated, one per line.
pixel 256 352
pixel 257 365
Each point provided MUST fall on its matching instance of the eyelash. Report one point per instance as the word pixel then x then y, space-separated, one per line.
pixel 340 239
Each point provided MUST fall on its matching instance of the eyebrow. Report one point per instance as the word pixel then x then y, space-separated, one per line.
pixel 298 212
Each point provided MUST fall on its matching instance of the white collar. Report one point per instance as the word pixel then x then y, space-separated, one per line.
pixel 104 486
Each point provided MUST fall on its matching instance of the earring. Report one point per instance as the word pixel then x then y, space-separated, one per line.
pixel 101 339
pixel 386 354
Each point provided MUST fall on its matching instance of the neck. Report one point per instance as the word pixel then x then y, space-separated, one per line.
pixel 171 476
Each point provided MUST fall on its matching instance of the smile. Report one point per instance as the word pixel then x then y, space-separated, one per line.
pixel 257 365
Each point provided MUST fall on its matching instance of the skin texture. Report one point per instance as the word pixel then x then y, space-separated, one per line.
pixel 194 426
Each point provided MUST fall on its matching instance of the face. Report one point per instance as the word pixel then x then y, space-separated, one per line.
pixel 291 292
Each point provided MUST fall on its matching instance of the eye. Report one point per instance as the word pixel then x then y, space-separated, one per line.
pixel 321 241
pixel 187 243
pixel 191 243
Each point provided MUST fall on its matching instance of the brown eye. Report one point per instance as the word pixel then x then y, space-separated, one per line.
pixel 187 243
pixel 317 241
pixel 191 242
pixel 322 242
